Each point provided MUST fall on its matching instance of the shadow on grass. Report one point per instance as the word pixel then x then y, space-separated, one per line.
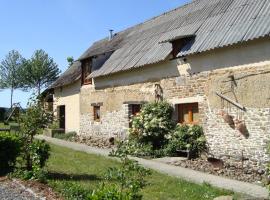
pixel 72 177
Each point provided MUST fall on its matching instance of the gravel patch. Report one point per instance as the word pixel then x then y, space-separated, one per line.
pixel 12 191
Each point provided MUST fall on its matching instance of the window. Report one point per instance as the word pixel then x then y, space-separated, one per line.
pixel 86 71
pixel 178 44
pixel 135 108
pixel 188 113
pixel 96 113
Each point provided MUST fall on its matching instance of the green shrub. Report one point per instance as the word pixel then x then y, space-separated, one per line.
pixel 128 181
pixel 154 134
pixel 153 124
pixel 73 191
pixel 135 148
pixel 39 152
pixel 10 146
pixel 54 125
pixel 132 147
pixel 189 138
pixel 108 192
pixel 34 153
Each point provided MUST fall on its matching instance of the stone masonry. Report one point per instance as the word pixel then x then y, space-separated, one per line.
pixel 113 124
pixel 249 86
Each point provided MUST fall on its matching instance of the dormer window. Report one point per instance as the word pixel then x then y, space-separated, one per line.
pixel 179 44
pixel 86 71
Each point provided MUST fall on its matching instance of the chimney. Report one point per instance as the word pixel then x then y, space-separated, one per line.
pixel 111 34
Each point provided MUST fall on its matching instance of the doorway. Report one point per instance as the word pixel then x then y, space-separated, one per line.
pixel 62 117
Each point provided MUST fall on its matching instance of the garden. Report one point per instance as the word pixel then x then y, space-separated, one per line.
pixel 153 134
pixel 76 175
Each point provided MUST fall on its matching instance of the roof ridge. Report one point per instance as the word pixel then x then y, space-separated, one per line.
pixel 153 18
pixel 162 14
pixel 140 24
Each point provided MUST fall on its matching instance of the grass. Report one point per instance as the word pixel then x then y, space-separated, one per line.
pixel 13 126
pixel 2 125
pixel 67 167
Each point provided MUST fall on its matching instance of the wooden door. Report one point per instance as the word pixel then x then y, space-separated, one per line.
pixel 62 117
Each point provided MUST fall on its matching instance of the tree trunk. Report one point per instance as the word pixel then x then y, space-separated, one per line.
pixel 11 97
pixel 29 164
pixel 38 87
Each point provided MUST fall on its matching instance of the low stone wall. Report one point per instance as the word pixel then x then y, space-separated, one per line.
pixel 95 141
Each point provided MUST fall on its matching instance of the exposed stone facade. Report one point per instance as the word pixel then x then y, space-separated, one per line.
pixel 113 124
pixel 224 142
pixel 250 88
pixel 241 73
pixel 115 110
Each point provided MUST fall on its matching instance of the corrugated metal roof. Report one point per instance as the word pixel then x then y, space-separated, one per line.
pixel 215 24
pixel 233 26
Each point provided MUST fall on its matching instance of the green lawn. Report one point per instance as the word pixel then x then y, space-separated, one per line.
pixel 12 125
pixel 2 125
pixel 68 166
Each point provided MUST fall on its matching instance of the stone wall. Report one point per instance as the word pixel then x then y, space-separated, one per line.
pixel 114 108
pixel 228 143
pixel 249 87
pixel 112 124
pixel 240 72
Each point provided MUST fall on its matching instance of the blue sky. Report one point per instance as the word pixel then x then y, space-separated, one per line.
pixel 67 27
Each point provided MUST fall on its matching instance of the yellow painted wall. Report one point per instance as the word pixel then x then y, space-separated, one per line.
pixel 70 97
pixel 253 53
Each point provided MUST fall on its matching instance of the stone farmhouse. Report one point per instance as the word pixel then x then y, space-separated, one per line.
pixel 209 59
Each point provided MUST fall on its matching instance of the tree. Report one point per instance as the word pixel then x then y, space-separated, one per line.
pixel 32 121
pixel 10 69
pixel 39 71
pixel 70 60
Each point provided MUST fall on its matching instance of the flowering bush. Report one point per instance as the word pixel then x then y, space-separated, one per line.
pixel 153 124
pixel 189 138
pixel 154 134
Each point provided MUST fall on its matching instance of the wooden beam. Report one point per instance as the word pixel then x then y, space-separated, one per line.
pixel 231 101
pixel 97 104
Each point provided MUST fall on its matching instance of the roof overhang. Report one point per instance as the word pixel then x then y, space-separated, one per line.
pixel 179 37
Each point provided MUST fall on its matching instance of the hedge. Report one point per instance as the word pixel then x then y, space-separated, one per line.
pixel 10 146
